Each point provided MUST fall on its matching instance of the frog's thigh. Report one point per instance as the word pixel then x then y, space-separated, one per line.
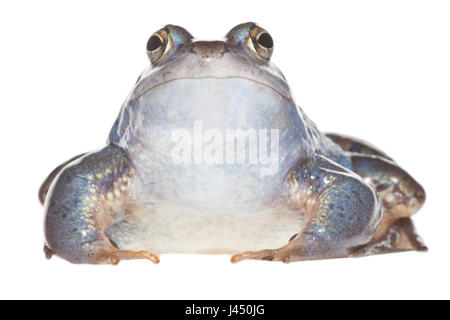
pixel 43 190
pixel 351 144
pixel 80 206
pixel 401 195
pixel 343 213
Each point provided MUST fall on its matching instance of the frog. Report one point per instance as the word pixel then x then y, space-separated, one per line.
pixel 210 154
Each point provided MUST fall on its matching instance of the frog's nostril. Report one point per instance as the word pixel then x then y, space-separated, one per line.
pixel 209 48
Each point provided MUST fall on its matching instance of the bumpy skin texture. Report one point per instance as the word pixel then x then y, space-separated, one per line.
pixel 328 196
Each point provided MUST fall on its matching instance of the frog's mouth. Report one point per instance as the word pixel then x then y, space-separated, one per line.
pixel 136 97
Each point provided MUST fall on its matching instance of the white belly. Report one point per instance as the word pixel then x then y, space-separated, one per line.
pixel 174 230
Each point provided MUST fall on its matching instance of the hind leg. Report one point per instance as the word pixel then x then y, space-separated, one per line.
pixel 83 203
pixel 351 144
pixel 400 237
pixel 45 186
pixel 401 195
pixel 343 213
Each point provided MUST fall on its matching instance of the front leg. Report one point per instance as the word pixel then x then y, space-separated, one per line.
pixel 78 209
pixel 343 213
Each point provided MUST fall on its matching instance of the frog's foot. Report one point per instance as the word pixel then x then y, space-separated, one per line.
pixel 88 197
pixel 268 255
pixel 115 256
pixel 343 213
pixel 296 251
pixel 401 237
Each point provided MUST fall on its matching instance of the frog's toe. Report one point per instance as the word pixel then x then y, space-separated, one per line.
pixel 117 255
pixel 267 255
pixel 49 253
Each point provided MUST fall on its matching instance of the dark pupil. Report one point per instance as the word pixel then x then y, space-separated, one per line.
pixel 154 43
pixel 265 40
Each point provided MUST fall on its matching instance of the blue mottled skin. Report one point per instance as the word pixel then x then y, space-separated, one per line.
pixel 345 202
pixel 329 196
pixel 72 225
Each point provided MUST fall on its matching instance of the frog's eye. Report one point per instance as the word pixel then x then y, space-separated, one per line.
pixel 165 42
pixel 157 45
pixel 261 42
pixel 155 42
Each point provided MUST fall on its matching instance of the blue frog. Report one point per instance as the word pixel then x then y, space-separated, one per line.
pixel 211 154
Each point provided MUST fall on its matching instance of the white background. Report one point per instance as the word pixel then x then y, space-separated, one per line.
pixel 379 70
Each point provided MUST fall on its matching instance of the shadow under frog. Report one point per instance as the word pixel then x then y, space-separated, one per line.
pixel 330 196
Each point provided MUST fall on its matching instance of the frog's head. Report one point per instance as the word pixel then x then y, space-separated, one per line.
pixel 244 53
pixel 226 89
